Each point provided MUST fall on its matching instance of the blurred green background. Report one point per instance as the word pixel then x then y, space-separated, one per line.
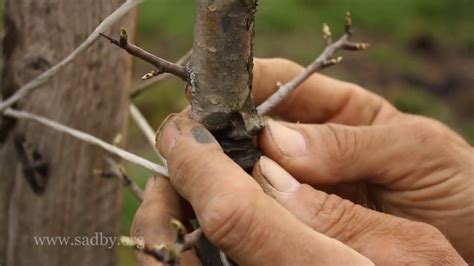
pixel 421 57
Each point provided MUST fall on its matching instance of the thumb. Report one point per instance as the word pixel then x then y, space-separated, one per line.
pixel 384 239
pixel 332 154
pixel 232 209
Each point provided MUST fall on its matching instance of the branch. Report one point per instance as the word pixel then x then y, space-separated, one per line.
pixel 156 251
pixel 163 253
pixel 162 65
pixel 89 139
pixel 152 81
pixel 324 60
pixel 146 129
pixel 225 261
pixel 104 25
pixel 114 169
pixel 191 239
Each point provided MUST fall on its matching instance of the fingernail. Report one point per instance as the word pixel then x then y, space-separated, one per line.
pixel 278 177
pixel 289 141
pixel 167 135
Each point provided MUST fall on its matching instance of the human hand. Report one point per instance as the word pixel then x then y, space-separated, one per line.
pixel 414 167
pixel 161 204
pixel 384 239
pixel 233 211
pixel 252 228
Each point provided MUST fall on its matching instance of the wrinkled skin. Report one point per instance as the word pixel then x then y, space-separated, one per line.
pixel 415 172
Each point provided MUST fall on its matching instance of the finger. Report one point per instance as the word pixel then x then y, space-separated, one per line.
pixel 152 220
pixel 384 239
pixel 334 154
pixel 319 98
pixel 355 192
pixel 232 210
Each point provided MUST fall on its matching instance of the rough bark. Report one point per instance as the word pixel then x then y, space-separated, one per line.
pixel 221 75
pixel 91 94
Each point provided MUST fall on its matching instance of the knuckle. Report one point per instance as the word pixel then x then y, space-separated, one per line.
pixel 228 218
pixel 355 88
pixel 181 168
pixel 341 142
pixel 425 131
pixel 443 143
pixel 419 231
pixel 427 244
pixel 283 61
pixel 429 131
pixel 186 167
pixel 333 216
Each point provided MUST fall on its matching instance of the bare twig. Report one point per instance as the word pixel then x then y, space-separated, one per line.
pixel 152 81
pixel 162 65
pixel 225 261
pixel 163 253
pixel 185 241
pixel 146 129
pixel 104 25
pixel 191 239
pixel 156 251
pixel 114 169
pixel 324 60
pixel 89 139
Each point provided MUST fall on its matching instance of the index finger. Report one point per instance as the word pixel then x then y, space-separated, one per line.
pixel 319 99
pixel 152 220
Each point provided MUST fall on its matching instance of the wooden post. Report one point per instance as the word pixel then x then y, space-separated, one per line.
pixel 91 94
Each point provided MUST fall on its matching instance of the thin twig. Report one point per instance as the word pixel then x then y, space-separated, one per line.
pixel 146 129
pixel 185 241
pixel 163 253
pixel 225 261
pixel 156 251
pixel 156 168
pixel 162 65
pixel 36 82
pixel 143 86
pixel 324 60
pixel 191 239
pixel 114 169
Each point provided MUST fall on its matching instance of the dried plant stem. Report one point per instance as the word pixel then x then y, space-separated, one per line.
pixel 146 129
pixel 162 65
pixel 163 253
pixel 143 86
pixel 36 82
pixel 156 168
pixel 134 188
pixel 116 170
pixel 284 90
pixel 191 239
pixel 225 261
pixel 324 60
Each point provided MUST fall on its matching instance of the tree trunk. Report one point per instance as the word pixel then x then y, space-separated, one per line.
pixel 91 94
pixel 221 75
pixel 220 72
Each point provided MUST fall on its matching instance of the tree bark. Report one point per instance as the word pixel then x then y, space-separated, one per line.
pixel 220 77
pixel 220 73
pixel 91 94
